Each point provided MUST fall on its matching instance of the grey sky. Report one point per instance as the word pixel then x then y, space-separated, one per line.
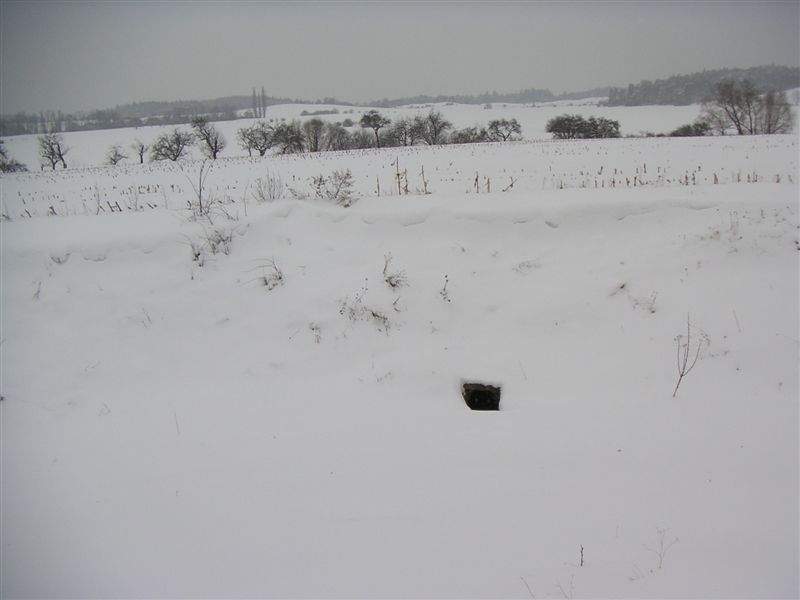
pixel 92 55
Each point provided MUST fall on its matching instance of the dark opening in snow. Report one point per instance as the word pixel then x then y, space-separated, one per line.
pixel 480 396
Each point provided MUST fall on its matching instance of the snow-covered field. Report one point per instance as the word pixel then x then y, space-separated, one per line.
pixel 88 148
pixel 173 427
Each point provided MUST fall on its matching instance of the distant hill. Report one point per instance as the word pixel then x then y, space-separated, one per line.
pixel 530 95
pixel 680 90
pixel 677 90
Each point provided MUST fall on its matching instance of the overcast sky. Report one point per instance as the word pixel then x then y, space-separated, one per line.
pixel 81 55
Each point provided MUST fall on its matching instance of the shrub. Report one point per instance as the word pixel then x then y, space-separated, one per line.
pixel 469 135
pixel 568 127
pixel 269 188
pixel 336 188
pixel 8 164
pixel 699 128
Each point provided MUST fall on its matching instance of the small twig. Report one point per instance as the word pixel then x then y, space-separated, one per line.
pixel 523 370
pixel 530 591
pixel 662 546
pixel 684 368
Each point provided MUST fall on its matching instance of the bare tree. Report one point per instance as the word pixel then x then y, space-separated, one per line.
pixel 140 148
pixel 52 149
pixel 400 132
pixel 436 126
pixel 417 129
pixel 742 106
pixel 244 135
pixel 775 113
pixel 313 130
pixel 716 118
pixel 504 130
pixel 375 121
pixel 213 142
pixel 737 101
pixel 115 155
pixel 261 136
pixel 173 145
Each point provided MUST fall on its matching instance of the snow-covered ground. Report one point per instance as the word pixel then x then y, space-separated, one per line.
pixel 172 427
pixel 88 148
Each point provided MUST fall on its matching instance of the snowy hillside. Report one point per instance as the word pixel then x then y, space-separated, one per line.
pixel 88 148
pixel 182 416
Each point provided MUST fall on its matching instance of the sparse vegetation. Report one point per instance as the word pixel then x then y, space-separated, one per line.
pixel 269 188
pixel 272 276
pixel 394 279
pixel 686 351
pixel 336 187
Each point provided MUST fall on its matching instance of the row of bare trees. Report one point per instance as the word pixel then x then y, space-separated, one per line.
pixel 433 129
pixel 171 145
pixel 313 135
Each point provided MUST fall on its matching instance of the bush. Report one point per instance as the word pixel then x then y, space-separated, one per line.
pixel 601 128
pixel 469 135
pixel 336 188
pixel 289 138
pixel 8 164
pixel 568 127
pixel 269 188
pixel 700 128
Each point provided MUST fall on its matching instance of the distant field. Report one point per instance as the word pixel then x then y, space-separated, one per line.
pixel 88 148
pixel 520 168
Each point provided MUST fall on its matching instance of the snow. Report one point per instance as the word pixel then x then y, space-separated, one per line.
pixel 174 430
pixel 88 148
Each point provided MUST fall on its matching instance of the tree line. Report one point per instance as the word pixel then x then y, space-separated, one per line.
pixel 681 90
pixel 738 107
pixel 313 135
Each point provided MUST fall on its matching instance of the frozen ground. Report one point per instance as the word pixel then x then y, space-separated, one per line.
pixel 171 427
pixel 89 147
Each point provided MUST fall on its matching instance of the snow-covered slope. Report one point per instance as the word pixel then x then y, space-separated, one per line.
pixel 88 148
pixel 171 427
